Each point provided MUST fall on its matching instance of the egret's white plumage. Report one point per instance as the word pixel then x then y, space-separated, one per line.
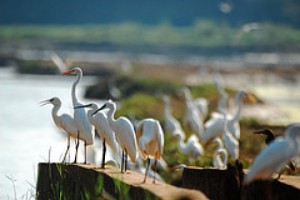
pixel 64 121
pixel 80 116
pixel 215 126
pixel 138 166
pixel 150 139
pixel 172 125
pixel 58 62
pixel 231 143
pixel 219 142
pixel 276 155
pixel 218 163
pixel 124 131
pixel 220 151
pixel 192 147
pixel 192 115
pixel 222 102
pixel 102 127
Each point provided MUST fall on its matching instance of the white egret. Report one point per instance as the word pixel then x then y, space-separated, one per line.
pixel 274 156
pixel 138 166
pixel 161 164
pixel 172 125
pixel 215 126
pixel 64 121
pixel 220 151
pixel 219 142
pixel 231 143
pixel 201 104
pixel 58 62
pixel 150 139
pixel 192 115
pixel 222 102
pixel 270 138
pixel 80 116
pixel 103 129
pixel 267 132
pixel 192 147
pixel 124 131
pixel 217 161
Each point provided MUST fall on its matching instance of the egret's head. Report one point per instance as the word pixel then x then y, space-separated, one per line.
pixel 75 70
pixel 264 132
pixel 111 104
pixel 53 101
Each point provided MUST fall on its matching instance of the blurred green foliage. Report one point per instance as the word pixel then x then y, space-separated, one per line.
pixel 202 34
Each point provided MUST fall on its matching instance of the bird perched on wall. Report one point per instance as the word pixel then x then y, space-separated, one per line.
pixel 102 128
pixel 64 121
pixel 215 126
pixel 232 145
pixel 220 151
pixel 80 116
pixel 150 139
pixel 192 147
pixel 124 131
pixel 172 125
pixel 270 137
pixel 222 102
pixel 192 116
pixel 275 155
pixel 218 163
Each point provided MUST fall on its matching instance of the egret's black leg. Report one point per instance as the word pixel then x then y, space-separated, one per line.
pixel 122 162
pixel 147 169
pixel 67 150
pixel 103 154
pixel 125 162
pixel 76 147
pixel 155 163
pixel 84 152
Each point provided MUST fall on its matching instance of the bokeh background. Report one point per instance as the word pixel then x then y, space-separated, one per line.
pixel 254 44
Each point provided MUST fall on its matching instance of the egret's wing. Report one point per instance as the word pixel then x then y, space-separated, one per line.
pixel 126 135
pixel 213 128
pixel 232 145
pixel 68 124
pixel 105 130
pixel 270 159
pixel 58 62
pixel 160 139
pixel 83 124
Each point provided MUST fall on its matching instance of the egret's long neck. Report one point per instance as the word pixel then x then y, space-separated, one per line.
pixel 188 97
pixel 219 143
pixel 225 157
pixel 55 114
pixel 74 98
pixel 225 124
pixel 182 145
pixel 167 109
pixel 111 116
pixel 238 112
pixel 222 101
pixel 89 114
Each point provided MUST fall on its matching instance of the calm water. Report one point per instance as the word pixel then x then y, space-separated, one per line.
pixel 27 130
